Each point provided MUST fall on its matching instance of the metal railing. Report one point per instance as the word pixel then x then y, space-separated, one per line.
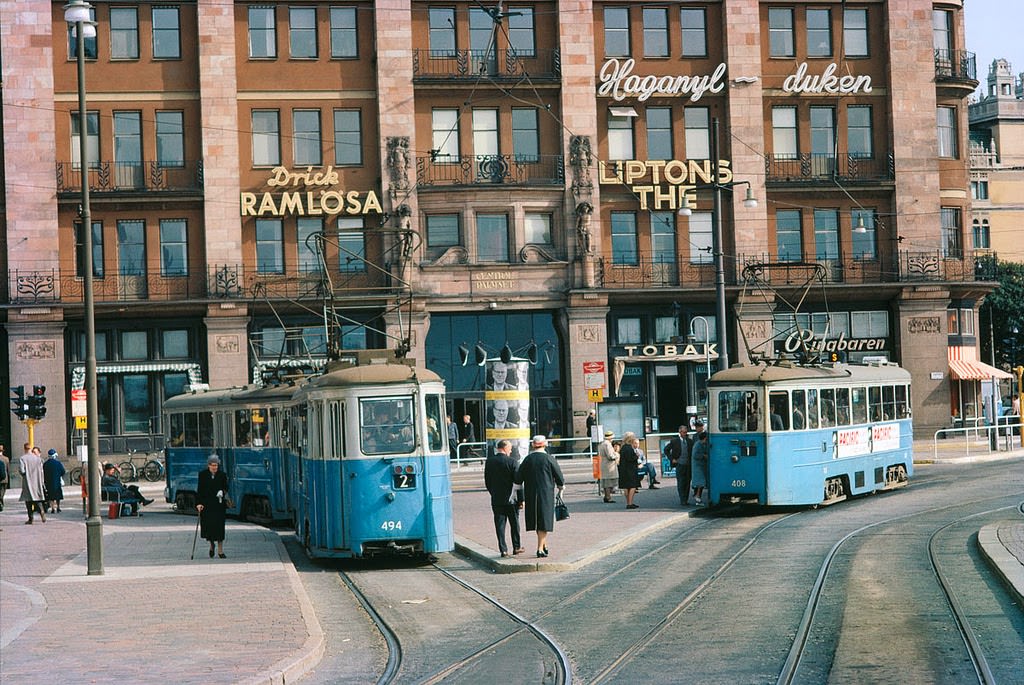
pixel 1006 429
pixel 476 170
pixel 112 177
pixel 955 65
pixel 815 168
pixel 489 65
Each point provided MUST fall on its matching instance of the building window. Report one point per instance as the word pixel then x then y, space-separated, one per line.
pixel 348 137
pixel 826 234
pixel 616 32
pixel 124 33
pixel 859 137
pixel 942 34
pixel 441 21
pixel 666 328
pixel 823 140
pixel 693 24
pixel 344 42
pixel 485 132
pixel 262 33
pixel 525 134
pixel 869 324
pixel 481 33
pixel 701 239
pixel 784 137
pixel 627 330
pixel 865 245
pixel 951 245
pixel 620 137
pixel 134 345
pixel 780 32
pixel 855 32
pixel 138 403
pixel 952 322
pixel 819 32
pixel 166 33
pixel 979 190
pixel 655 31
pixel 302 32
pixel 981 235
pixel 175 344
pixel 492 237
pixel 170 139
pixel 128 149
pixel 698 132
pixel 131 247
pixel 445 127
pixel 306 228
pixel 92 142
pixel 269 246
pixel 351 245
pixel 97 250
pixel 538 228
pixel 788 237
pixel 90 43
pixel 967 321
pixel 442 230
pixel 266 137
pixel 946 118
pixel 659 133
pixel 624 241
pixel 306 147
pixel 663 237
pixel 521 32
pixel 173 247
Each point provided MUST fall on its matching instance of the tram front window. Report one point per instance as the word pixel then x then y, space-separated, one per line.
pixel 737 411
pixel 386 426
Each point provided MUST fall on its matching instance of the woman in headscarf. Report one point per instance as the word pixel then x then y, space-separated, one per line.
pixel 629 463
pixel 212 505
pixel 53 474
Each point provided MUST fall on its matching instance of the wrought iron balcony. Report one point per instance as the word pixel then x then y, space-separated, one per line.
pixel 956 65
pixel 808 168
pixel 131 177
pixel 514 170
pixel 506 65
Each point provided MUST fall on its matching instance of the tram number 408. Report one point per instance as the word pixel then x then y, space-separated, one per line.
pixel 739 483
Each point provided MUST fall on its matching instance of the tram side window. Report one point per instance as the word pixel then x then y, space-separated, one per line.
pixel 875 403
pixel 888 402
pixel 859 404
pixel 842 406
pixel 778 401
pixel 435 436
pixel 385 426
pixel 799 410
pixel 902 404
pixel 260 421
pixel 812 408
pixel 828 407
pixel 243 432
pixel 176 430
pixel 753 411
pixel 206 429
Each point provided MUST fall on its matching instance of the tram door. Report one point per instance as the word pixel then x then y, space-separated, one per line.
pixel 337 523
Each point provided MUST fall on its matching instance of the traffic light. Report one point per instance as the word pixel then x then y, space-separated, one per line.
pixel 37 402
pixel 18 405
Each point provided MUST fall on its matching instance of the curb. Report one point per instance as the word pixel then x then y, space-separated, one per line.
pixel 1007 566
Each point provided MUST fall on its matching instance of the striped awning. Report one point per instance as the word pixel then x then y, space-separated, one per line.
pixel 191 368
pixel 971 370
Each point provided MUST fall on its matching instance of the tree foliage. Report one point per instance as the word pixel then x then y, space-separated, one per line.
pixel 1002 312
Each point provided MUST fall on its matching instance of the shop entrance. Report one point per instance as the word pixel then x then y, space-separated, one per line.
pixel 671 402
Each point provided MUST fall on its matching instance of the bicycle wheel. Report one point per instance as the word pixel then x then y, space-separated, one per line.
pixel 153 470
pixel 76 475
pixel 128 473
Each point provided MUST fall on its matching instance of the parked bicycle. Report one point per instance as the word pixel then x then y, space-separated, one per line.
pixel 152 468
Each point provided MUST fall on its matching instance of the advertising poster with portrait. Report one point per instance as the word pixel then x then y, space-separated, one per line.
pixel 507 405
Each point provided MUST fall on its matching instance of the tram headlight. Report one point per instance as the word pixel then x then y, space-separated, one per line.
pixel 408 468
pixel 398 469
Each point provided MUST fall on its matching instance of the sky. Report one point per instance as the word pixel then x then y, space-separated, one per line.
pixel 993 29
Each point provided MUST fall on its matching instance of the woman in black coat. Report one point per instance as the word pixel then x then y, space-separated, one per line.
pixel 629 463
pixel 539 474
pixel 212 504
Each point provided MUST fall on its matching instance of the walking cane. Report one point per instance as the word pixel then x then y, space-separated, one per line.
pixel 196 536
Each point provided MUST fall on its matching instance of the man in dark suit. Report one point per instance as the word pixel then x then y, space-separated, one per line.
pixel 499 472
pixel 678 452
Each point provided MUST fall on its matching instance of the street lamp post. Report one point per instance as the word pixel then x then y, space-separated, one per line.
pixel 716 244
pixel 77 13
pixel 707 342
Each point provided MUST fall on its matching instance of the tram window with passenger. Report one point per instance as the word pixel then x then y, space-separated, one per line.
pixel 737 411
pixel 859 404
pixel 386 425
pixel 190 429
pixel 842 406
pixel 435 436
pixel 799 410
pixel 778 403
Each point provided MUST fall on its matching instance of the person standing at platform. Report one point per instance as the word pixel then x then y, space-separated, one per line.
pixel 5 475
pixel 609 464
pixel 699 459
pixel 53 475
pixel 213 495
pixel 453 438
pixel 499 479
pixel 629 479
pixel 33 484
pixel 678 453
pixel 540 475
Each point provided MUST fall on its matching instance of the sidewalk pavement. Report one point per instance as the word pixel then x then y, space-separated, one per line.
pixel 158 616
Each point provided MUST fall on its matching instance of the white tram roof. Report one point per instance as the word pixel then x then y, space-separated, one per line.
pixel 244 395
pixel 372 374
pixel 792 374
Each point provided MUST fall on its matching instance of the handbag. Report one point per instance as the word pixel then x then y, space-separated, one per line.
pixel 561 510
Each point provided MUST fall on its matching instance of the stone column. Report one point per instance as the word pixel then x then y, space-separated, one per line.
pixel 755 324
pixel 585 335
pixel 415 326
pixel 923 343
pixel 227 348
pixel 36 351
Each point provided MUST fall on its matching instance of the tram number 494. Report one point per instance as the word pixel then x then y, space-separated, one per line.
pixel 739 483
pixel 391 525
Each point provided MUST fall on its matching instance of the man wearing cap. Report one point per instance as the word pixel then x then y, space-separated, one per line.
pixel 114 489
pixel 609 460
pixel 539 474
pixel 53 475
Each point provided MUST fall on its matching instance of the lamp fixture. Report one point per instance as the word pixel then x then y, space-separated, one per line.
pixel 684 211
pixel 860 227
pixel 627 112
pixel 750 201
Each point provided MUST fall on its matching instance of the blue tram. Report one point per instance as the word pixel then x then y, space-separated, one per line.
pixel 371 470
pixel 787 434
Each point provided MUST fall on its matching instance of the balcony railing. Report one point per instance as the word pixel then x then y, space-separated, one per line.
pixel 818 168
pixel 52 286
pixel 131 177
pixel 955 65
pixel 514 170
pixel 488 65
